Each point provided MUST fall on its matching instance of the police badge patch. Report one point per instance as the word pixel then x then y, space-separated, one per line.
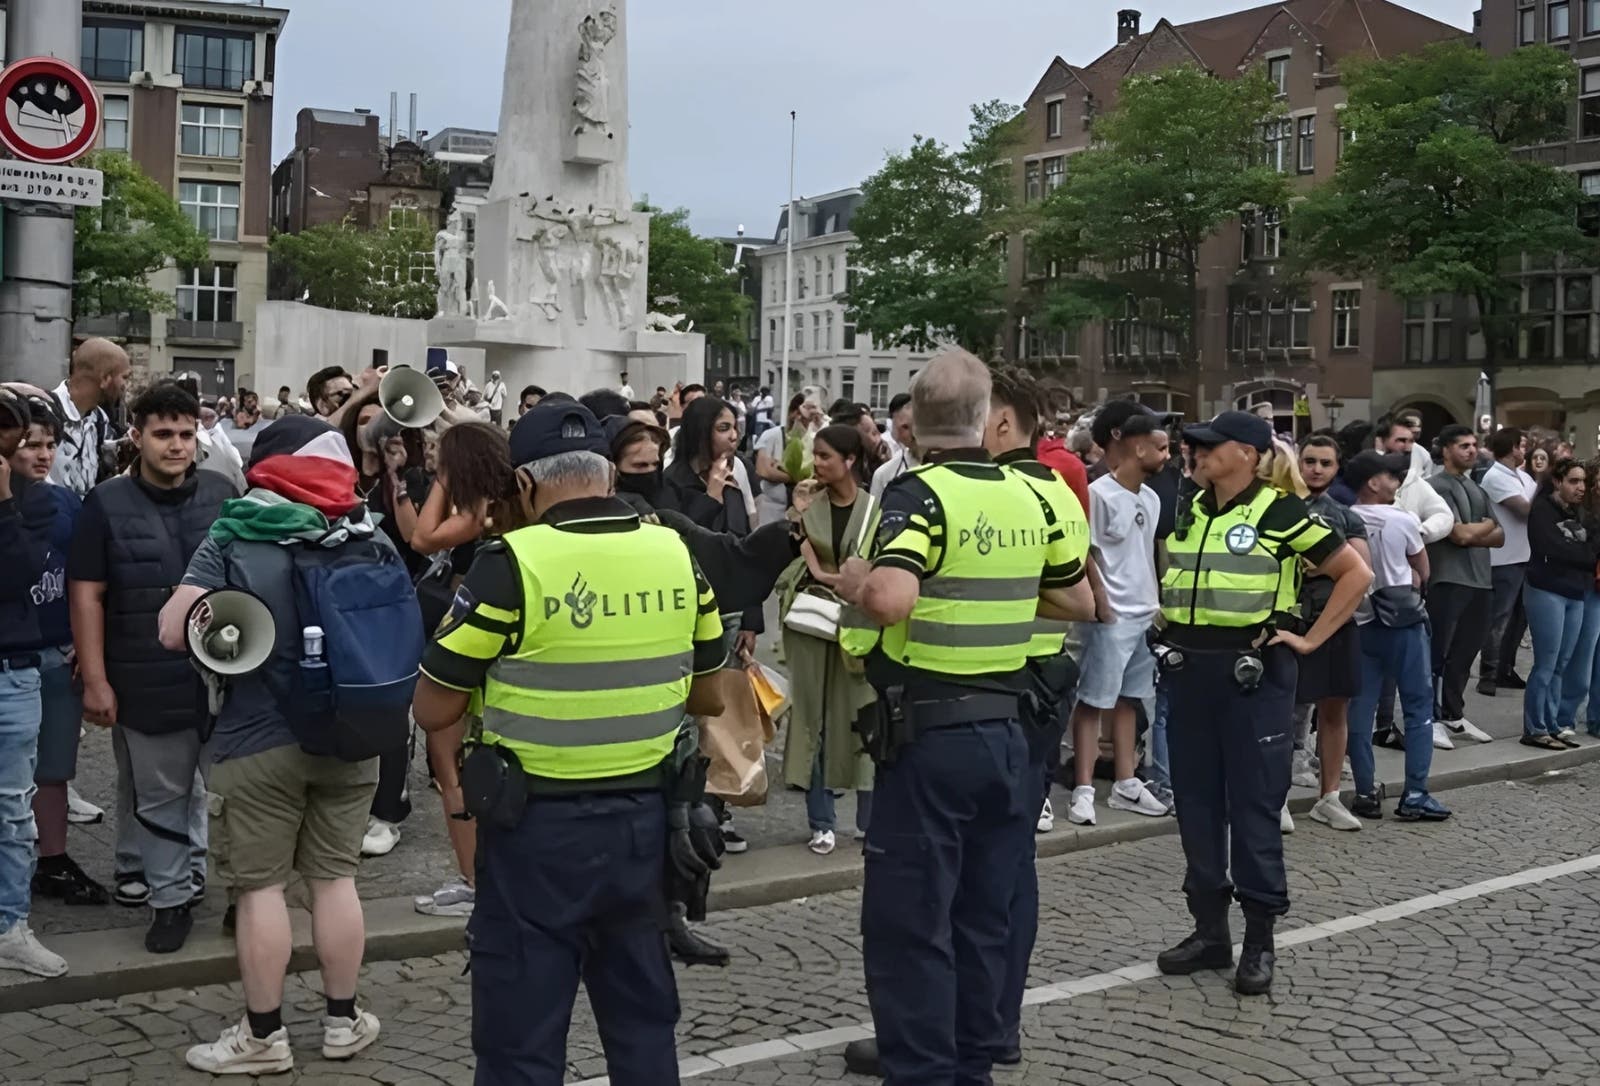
pixel 461 607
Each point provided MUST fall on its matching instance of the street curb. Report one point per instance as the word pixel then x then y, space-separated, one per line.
pixel 107 964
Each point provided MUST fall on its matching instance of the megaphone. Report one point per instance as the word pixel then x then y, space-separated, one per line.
pixel 229 632
pixel 410 397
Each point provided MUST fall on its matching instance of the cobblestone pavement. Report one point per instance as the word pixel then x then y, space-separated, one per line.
pixel 1486 990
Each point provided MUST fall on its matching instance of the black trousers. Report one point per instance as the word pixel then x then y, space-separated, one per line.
pixel 1458 614
pixel 392 801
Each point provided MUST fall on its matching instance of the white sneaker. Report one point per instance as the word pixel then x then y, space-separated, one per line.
pixel 1081 813
pixel 1330 811
pixel 380 839
pixel 1301 772
pixel 1441 737
pixel 1133 795
pixel 454 898
pixel 1564 733
pixel 1285 820
pixel 1466 729
pixel 822 842
pixel 20 949
pixel 80 811
pixel 240 1052
pixel 344 1037
pixel 1344 772
pixel 1047 817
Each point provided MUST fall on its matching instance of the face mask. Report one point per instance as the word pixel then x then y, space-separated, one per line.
pixel 646 484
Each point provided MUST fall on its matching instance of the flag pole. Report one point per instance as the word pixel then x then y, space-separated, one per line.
pixel 780 409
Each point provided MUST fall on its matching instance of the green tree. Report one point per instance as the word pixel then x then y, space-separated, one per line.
pixel 1177 158
pixel 692 275
pixel 1433 196
pixel 138 229
pixel 928 264
pixel 338 266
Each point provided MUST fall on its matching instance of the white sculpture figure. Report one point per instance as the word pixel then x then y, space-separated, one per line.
pixel 593 101
pixel 450 261
pixel 660 322
pixel 496 310
pixel 618 264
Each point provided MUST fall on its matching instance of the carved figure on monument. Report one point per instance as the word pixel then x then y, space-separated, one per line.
pixel 450 261
pixel 660 322
pixel 592 103
pixel 619 262
pixel 496 310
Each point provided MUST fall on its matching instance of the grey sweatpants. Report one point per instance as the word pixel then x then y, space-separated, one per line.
pixel 161 812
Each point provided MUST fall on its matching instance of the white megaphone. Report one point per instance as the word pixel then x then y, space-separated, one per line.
pixel 410 397
pixel 230 632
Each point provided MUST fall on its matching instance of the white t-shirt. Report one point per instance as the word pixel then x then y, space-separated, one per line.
pixel 625 391
pixel 1122 527
pixel 1500 483
pixel 897 465
pixel 771 442
pixel 494 394
pixel 1393 536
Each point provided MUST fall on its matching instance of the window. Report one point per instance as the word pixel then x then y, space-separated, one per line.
pixel 1278 73
pixel 1032 191
pixel 213 207
pixel 847 385
pixel 816 331
pixel 827 339
pixel 1055 172
pixel 1347 136
pixel 1346 320
pixel 215 61
pixel 1306 158
pixel 773 279
pixel 1247 236
pixel 772 336
pixel 1591 16
pixel 816 273
pixel 1527 24
pixel 1277 135
pixel 799 334
pixel 1589 104
pixel 1052 120
pixel 1427 335
pixel 114 129
pixel 1273 233
pixel 404 216
pixel 1277 323
pixel 1558 20
pixel 207 293
pixel 878 391
pixel 212 131
pixel 832 262
pixel 849 336
pixel 1300 323
pixel 800 280
pixel 112 51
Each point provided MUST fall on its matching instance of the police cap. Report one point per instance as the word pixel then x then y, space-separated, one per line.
pixel 1240 426
pixel 555 427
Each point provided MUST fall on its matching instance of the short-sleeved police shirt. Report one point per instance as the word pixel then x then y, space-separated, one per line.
pixel 485 619
pixel 1287 528
pixel 1061 506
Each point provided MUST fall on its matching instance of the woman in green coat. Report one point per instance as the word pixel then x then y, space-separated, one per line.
pixel 822 753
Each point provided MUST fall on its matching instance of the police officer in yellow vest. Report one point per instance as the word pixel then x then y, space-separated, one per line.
pixel 1227 655
pixel 587 636
pixel 965 558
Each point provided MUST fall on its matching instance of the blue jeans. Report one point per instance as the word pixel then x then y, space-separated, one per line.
pixel 1577 679
pixel 1401 656
pixel 1160 765
pixel 1555 623
pixel 20 713
pixel 819 802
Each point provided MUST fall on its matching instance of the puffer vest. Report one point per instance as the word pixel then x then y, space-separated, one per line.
pixel 151 535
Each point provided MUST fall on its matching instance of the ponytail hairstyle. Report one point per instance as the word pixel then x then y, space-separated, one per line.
pixel 1280 468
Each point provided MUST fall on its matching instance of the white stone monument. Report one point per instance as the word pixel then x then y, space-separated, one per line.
pixel 557 237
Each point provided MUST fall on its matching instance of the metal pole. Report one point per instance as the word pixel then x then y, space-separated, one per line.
pixel 781 408
pixel 36 294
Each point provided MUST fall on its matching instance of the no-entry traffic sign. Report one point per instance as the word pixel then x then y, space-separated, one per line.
pixel 49 111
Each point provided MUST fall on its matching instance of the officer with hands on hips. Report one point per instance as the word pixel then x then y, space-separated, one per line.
pixel 966 557
pixel 587 636
pixel 1227 654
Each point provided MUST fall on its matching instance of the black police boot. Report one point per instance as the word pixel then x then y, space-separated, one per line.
pixel 861 1058
pixel 1254 976
pixel 689 948
pixel 1210 947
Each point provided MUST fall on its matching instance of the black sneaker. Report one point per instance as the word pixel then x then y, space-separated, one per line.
pixel 131 890
pixel 1511 681
pixel 198 881
pixel 1486 687
pixel 230 920
pixel 1391 738
pixel 733 841
pixel 169 930
pixel 60 877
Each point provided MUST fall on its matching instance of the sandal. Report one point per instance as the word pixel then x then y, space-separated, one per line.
pixel 1545 742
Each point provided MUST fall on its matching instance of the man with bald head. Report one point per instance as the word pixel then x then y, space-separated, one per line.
pixel 97 380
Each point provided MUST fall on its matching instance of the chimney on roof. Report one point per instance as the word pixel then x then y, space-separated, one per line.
pixel 1127 25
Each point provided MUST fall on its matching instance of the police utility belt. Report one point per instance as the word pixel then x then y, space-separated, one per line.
pixel 496 788
pixel 901 714
pixel 1248 666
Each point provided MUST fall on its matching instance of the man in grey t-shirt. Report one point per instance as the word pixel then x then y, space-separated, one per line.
pixel 1460 588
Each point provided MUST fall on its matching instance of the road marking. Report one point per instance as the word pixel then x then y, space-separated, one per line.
pixel 845 1032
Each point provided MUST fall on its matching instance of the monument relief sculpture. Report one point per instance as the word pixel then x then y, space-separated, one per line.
pixel 593 101
pixel 450 263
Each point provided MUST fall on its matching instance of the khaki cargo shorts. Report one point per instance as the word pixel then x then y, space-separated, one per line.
pixel 285 810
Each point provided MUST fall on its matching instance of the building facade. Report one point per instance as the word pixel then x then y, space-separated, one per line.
pixel 1307 351
pixel 825 352
pixel 187 89
pixel 741 363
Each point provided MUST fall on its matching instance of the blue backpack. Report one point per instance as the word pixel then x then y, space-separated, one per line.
pixel 353 702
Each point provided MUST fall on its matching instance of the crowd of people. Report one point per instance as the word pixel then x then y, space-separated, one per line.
pixel 122 511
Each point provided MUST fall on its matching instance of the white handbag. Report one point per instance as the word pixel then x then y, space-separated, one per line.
pixel 816 611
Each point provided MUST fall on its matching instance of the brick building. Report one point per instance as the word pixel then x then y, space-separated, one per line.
pixel 1309 352
pixel 342 169
pixel 187 88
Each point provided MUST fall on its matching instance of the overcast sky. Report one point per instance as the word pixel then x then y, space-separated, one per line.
pixel 713 81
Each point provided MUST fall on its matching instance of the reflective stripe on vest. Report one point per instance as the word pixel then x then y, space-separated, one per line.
pixel 1208 584
pixel 1060 504
pixel 974 614
pixel 596 685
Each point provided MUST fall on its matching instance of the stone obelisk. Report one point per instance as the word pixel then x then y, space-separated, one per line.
pixel 561 260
